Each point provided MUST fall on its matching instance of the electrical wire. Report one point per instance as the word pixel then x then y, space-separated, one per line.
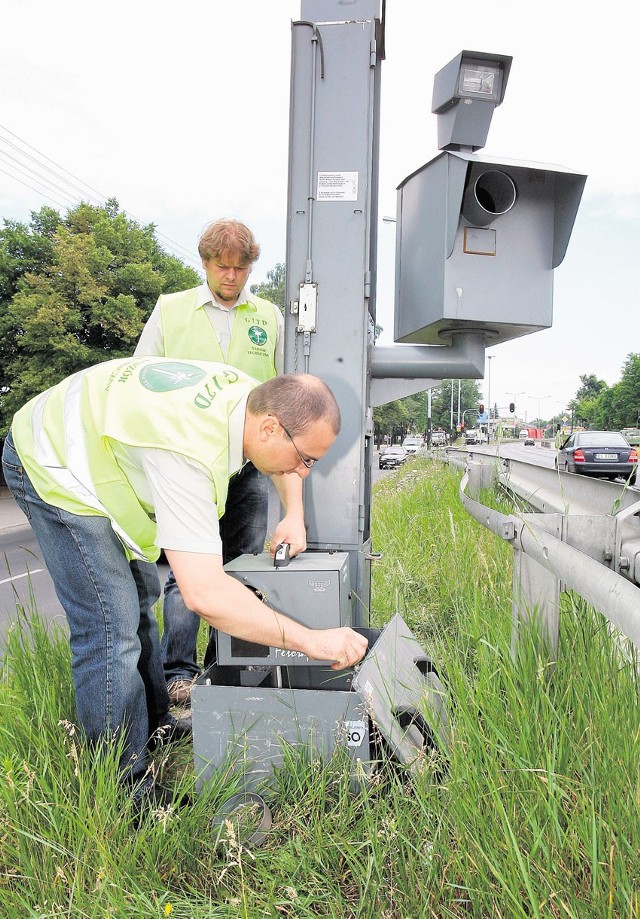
pixel 37 190
pixel 32 174
pixel 83 189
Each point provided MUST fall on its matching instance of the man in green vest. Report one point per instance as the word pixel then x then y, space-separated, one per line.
pixel 135 454
pixel 221 320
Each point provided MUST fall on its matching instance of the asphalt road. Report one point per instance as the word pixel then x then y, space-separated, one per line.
pixel 24 581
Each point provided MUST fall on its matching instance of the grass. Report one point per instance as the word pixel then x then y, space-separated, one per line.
pixel 535 814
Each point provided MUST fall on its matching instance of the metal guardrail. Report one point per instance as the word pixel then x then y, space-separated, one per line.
pixel 585 536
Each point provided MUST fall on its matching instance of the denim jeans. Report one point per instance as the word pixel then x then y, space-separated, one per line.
pixel 243 529
pixel 116 665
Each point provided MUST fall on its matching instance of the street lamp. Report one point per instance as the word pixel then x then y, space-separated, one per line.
pixel 490 357
pixel 539 399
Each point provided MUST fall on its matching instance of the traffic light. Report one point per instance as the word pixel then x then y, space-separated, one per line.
pixel 481 409
pixel 512 407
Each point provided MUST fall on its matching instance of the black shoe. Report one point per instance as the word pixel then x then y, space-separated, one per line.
pixel 171 731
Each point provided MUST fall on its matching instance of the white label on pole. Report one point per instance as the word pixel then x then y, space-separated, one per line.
pixel 355 733
pixel 337 186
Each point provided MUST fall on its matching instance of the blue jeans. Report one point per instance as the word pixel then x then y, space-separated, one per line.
pixel 116 666
pixel 243 529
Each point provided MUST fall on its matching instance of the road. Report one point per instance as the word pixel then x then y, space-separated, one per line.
pixel 24 580
pixel 541 456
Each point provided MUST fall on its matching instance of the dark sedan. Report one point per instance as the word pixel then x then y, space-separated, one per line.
pixel 599 453
pixel 392 456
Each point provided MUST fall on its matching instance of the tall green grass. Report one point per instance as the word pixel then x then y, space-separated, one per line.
pixel 534 814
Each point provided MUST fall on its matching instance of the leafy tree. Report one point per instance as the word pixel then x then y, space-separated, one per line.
pixel 585 402
pixel 630 391
pixel 74 291
pixel 599 406
pixel 618 406
pixel 396 419
pixel 591 386
pixel 273 288
pixel 409 415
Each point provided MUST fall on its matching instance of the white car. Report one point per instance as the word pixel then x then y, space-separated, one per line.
pixel 412 444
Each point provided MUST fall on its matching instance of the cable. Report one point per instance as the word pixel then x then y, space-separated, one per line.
pixel 26 144
pixel 34 174
pixel 37 190
pixel 173 245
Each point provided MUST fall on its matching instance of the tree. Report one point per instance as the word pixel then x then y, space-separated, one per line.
pixel 441 403
pixel 590 387
pixel 75 291
pixel 393 419
pixel 599 406
pixel 618 406
pixel 410 414
pixel 626 400
pixel 273 288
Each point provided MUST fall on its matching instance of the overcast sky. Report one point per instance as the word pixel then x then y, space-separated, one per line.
pixel 180 111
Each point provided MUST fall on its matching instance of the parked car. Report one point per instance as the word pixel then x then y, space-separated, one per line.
pixel 411 443
pixel 599 453
pixel 632 435
pixel 392 456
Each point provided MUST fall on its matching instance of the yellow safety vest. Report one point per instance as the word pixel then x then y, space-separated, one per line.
pixel 188 333
pixel 64 436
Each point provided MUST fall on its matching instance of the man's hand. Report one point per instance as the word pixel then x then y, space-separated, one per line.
pixel 228 605
pixel 343 646
pixel 291 530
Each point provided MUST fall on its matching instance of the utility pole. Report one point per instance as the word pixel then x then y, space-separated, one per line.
pixel 489 359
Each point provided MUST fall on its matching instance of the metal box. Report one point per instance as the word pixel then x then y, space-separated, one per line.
pixel 394 694
pixel 314 589
pixel 248 729
pixel 476 244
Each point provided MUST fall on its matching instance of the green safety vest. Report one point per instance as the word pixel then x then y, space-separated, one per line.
pixel 187 333
pixel 63 436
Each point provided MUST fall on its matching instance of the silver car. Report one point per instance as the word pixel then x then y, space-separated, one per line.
pixel 392 456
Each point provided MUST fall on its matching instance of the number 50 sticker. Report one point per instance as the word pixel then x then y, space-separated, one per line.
pixel 355 733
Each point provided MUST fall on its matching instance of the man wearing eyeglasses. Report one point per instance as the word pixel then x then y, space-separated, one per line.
pixel 221 320
pixel 133 455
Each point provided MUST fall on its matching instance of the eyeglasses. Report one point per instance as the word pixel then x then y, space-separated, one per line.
pixel 305 460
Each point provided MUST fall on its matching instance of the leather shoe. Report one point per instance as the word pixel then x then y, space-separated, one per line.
pixel 171 731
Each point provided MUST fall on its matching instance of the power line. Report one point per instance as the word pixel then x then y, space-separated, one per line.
pixel 172 244
pixel 49 160
pixel 42 165
pixel 37 190
pixel 31 174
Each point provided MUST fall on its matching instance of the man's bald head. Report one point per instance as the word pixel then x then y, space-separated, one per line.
pixel 298 401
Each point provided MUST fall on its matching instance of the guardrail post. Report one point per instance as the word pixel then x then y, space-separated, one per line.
pixel 480 476
pixel 536 594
